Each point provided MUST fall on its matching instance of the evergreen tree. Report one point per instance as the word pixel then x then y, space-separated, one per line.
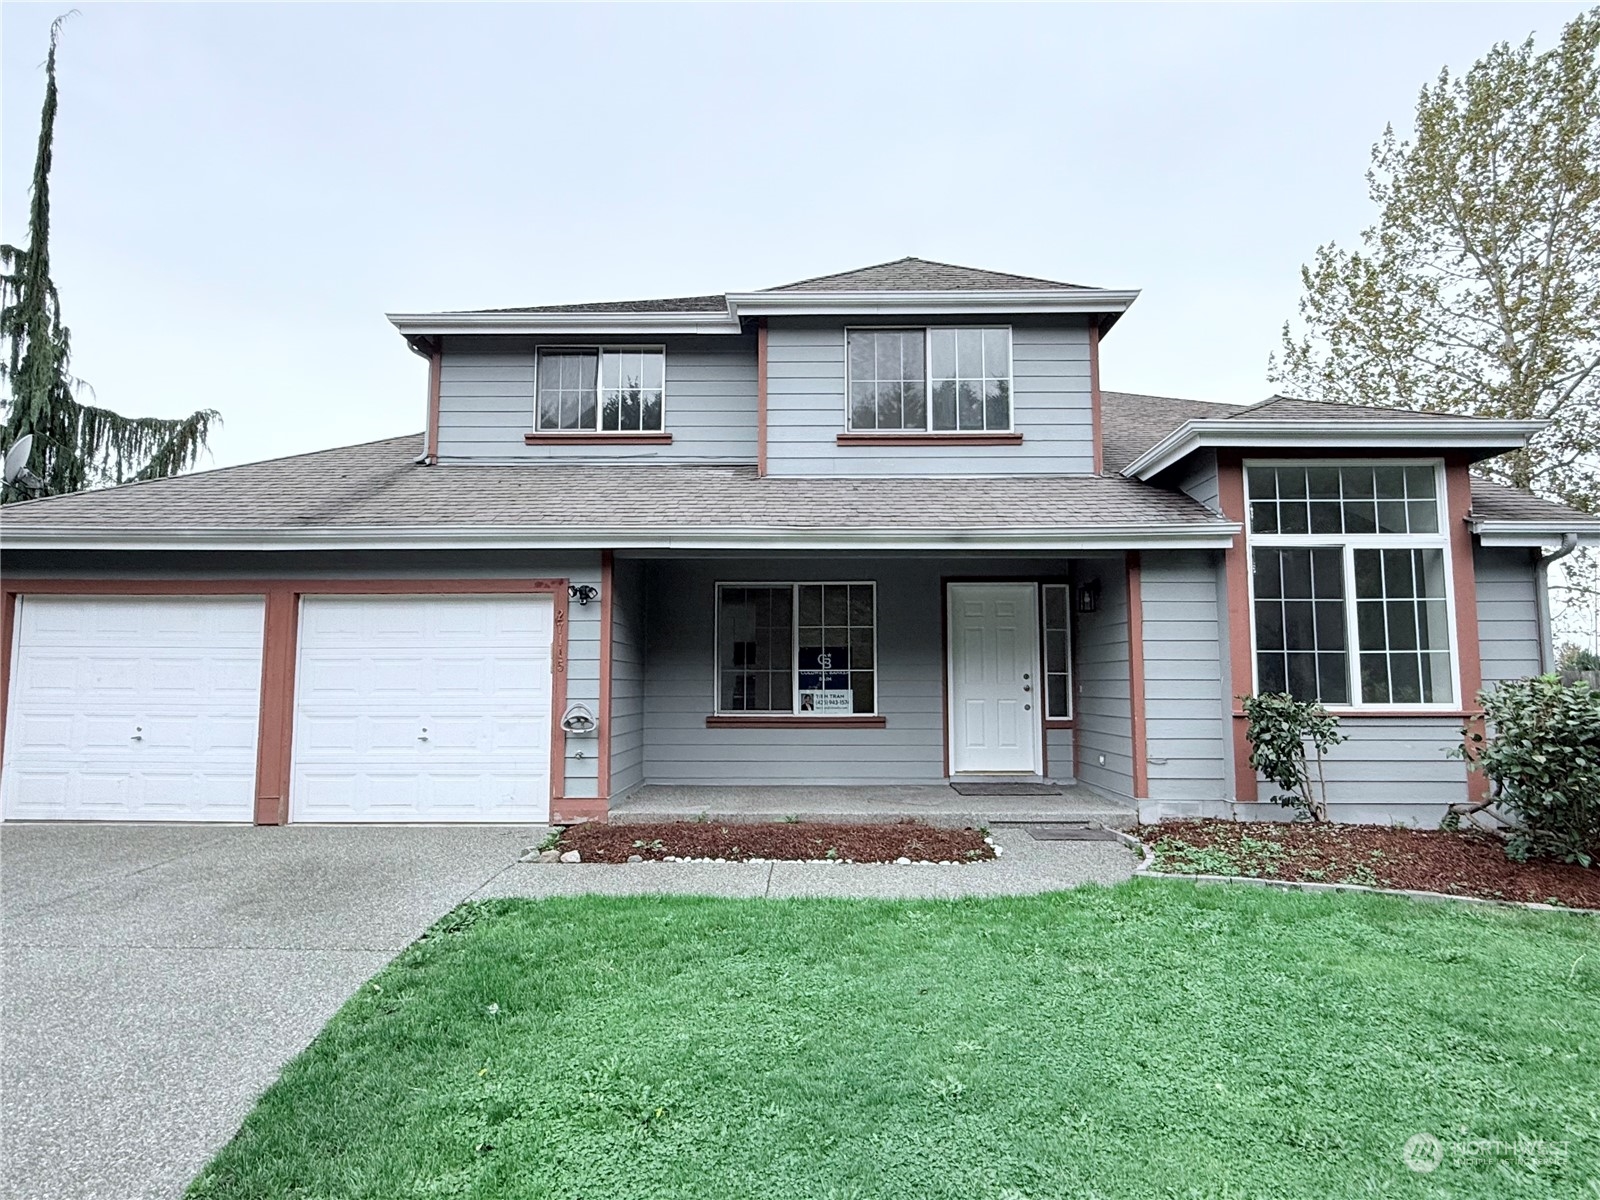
pixel 75 445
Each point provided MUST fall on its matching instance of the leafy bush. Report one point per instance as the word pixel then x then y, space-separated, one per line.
pixel 1576 658
pixel 1543 758
pixel 1279 729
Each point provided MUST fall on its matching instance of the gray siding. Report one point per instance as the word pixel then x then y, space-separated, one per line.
pixel 1198 479
pixel 1105 711
pixel 1508 613
pixel 1185 734
pixel 1390 761
pixel 486 395
pixel 680 679
pixel 627 676
pixel 806 408
pixel 583 662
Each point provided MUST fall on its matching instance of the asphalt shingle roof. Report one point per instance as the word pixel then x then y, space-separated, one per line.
pixel 377 485
pixel 902 275
pixel 919 275
pixel 673 304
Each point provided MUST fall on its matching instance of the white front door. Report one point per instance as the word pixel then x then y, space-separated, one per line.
pixel 994 678
pixel 134 708
pixel 423 708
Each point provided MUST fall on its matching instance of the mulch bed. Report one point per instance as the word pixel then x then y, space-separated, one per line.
pixel 1459 864
pixel 801 840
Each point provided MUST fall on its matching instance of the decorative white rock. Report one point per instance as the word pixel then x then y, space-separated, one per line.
pixel 902 861
pixel 571 856
pixel 635 858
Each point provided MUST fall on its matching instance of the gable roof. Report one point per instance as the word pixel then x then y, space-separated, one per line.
pixel 920 275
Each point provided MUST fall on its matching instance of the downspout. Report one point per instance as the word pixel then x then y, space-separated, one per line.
pixel 1541 576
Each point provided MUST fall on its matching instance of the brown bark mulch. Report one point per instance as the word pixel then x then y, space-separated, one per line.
pixel 736 841
pixel 1429 860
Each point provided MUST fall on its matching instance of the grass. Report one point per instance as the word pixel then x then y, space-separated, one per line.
pixel 1153 1040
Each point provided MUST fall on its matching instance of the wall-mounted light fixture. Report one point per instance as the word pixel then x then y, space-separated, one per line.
pixel 578 719
pixel 582 593
pixel 1089 596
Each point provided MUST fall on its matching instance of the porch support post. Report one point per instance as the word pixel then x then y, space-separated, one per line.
pixel 1141 752
pixel 1458 489
pixel 1236 572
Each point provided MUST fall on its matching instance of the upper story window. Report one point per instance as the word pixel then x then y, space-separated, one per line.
pixel 1350 583
pixel 934 380
pixel 603 389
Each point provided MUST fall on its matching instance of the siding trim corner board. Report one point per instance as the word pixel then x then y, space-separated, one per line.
pixel 1141 753
pixel 274 748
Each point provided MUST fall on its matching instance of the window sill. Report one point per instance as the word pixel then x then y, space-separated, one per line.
pixel 929 439
pixel 1356 714
pixel 781 721
pixel 597 439
pixel 1060 723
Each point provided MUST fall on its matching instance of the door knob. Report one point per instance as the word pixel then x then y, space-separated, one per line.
pixel 1027 687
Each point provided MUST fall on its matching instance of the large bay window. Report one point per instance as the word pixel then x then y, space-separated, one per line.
pixel 933 380
pixel 1350 588
pixel 607 389
pixel 802 649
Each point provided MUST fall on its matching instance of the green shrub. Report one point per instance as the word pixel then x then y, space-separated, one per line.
pixel 1279 729
pixel 1542 756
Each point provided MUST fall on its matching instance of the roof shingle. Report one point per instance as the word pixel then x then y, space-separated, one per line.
pixel 919 275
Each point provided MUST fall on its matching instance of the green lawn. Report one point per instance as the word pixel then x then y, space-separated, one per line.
pixel 1154 1040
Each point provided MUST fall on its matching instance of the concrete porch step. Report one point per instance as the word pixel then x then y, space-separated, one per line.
pixel 936 804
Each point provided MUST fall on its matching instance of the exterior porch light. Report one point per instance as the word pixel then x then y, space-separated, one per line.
pixel 1089 597
pixel 582 593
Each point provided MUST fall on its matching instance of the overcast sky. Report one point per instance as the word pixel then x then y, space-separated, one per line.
pixel 240 192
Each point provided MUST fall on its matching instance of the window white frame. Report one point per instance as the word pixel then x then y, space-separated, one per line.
pixel 794 647
pixel 927 379
pixel 1347 544
pixel 1067 592
pixel 599 350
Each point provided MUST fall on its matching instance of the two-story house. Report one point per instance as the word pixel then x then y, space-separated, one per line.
pixel 881 527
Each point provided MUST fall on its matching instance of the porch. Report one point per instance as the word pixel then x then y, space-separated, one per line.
pixel 863 686
pixel 937 804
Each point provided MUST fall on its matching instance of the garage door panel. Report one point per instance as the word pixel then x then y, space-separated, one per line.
pixel 473 671
pixel 184 673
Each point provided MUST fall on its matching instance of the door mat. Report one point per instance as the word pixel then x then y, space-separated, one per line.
pixel 1007 789
pixel 1069 833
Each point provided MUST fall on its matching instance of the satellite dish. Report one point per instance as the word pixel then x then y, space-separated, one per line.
pixel 16 468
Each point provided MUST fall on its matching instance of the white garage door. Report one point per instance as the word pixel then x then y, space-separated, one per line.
pixel 134 709
pixel 423 708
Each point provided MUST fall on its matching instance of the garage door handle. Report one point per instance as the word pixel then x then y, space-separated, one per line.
pixel 423 736
pixel 138 733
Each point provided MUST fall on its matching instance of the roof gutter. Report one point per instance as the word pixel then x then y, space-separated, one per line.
pixel 1486 436
pixel 1202 535
pixel 1496 532
pixel 434 324
pixel 1016 300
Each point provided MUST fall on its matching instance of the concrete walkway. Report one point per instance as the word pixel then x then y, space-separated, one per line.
pixel 1025 867
pixel 936 803
pixel 157 977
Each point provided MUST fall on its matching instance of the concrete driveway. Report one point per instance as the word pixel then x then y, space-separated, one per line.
pixel 157 978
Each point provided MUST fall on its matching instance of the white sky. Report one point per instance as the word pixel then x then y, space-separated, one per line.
pixel 240 192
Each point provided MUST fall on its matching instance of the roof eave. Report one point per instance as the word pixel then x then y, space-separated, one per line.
pixel 1099 301
pixel 433 324
pixel 1426 435
pixel 1185 535
pixel 1494 531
